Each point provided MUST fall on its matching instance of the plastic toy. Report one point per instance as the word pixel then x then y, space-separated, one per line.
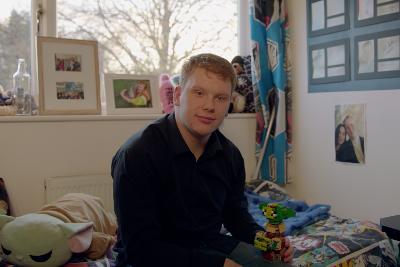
pixel 272 241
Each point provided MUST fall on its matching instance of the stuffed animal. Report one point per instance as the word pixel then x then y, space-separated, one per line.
pixel 166 92
pixel 76 223
pixel 242 97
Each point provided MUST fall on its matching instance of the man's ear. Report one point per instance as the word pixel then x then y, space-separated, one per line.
pixel 177 95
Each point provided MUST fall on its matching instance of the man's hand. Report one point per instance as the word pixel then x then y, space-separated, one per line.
pixel 287 251
pixel 231 263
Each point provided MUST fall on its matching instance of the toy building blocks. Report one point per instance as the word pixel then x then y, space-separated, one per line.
pixel 272 241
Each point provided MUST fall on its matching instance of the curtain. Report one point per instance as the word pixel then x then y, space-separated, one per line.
pixel 270 45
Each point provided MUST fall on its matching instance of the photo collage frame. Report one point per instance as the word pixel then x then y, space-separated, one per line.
pixel 68 72
pixel 351 42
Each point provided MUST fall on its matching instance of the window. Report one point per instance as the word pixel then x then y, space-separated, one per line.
pixel 151 37
pixel 15 38
pixel 135 36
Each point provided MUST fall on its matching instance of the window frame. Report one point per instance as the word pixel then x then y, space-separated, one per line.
pixel 48 23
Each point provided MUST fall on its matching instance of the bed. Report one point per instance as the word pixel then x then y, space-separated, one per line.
pixel 320 238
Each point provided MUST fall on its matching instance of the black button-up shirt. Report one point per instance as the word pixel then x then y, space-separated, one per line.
pixel 170 207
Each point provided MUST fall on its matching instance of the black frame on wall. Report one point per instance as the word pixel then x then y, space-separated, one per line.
pixel 372 26
pixel 344 62
pixel 380 12
pixel 376 68
pixel 326 18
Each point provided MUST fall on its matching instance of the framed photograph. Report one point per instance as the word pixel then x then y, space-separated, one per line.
pixel 131 94
pixel 68 71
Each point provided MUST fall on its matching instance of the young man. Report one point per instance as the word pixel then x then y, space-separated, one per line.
pixel 179 179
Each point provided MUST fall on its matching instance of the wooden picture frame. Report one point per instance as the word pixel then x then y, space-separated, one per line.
pixel 68 76
pixel 132 94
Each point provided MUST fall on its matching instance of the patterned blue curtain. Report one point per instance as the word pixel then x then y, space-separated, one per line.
pixel 271 83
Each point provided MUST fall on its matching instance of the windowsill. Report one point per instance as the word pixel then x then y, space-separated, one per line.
pixel 103 117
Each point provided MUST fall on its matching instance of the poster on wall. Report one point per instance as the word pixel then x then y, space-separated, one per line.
pixel 350 133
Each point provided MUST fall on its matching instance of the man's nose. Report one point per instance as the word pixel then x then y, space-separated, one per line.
pixel 209 104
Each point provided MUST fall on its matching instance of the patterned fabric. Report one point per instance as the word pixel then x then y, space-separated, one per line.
pixel 245 86
pixel 305 214
pixel 272 87
pixel 4 200
pixel 342 242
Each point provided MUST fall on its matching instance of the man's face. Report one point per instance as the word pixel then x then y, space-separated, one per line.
pixel 349 125
pixel 203 102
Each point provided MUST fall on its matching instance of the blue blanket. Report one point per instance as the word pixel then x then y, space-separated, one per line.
pixel 305 214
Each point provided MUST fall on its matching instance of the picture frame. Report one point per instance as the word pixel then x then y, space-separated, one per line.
pixel 132 94
pixel 377 55
pixel 369 12
pixel 329 62
pixel 68 76
pixel 327 16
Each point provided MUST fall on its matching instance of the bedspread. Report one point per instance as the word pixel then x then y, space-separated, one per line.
pixel 342 242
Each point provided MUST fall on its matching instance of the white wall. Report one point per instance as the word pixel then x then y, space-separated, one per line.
pixel 34 148
pixel 369 191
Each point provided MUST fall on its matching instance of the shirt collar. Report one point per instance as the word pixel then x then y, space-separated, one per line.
pixel 179 145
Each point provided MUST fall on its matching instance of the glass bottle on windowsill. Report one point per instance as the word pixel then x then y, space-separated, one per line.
pixel 22 89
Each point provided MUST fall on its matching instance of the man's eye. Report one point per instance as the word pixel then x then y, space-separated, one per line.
pixel 222 98
pixel 199 93
pixel 41 258
pixel 6 251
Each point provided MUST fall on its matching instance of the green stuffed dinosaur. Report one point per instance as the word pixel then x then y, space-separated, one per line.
pixel 76 223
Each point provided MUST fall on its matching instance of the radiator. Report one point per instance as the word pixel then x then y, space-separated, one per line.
pixel 100 185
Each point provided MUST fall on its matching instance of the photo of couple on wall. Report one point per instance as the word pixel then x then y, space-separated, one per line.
pixel 350 133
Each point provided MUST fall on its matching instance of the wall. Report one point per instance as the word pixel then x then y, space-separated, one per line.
pixel 369 191
pixel 33 148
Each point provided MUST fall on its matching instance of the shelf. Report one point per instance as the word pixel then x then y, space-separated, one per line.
pixel 103 117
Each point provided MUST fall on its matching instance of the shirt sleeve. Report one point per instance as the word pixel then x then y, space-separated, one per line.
pixel 136 186
pixel 236 217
